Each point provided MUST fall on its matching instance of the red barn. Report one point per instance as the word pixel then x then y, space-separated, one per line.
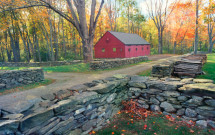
pixel 121 45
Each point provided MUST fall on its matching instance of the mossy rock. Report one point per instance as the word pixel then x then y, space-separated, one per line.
pixel 198 87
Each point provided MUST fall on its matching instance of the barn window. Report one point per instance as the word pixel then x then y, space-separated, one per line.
pixel 103 49
pixel 129 49
pixel 114 49
pixel 147 48
pixel 136 49
pixel 121 49
pixel 142 48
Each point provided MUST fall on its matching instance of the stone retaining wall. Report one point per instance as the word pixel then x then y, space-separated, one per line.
pixel 38 64
pixel 107 64
pixel 12 78
pixel 83 108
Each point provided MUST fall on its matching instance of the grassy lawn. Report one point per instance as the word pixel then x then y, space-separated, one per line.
pixel 146 72
pixel 26 87
pixel 155 124
pixel 209 68
pixel 81 67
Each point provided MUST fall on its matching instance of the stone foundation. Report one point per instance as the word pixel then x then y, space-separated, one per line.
pixel 13 78
pixel 112 63
pixel 83 108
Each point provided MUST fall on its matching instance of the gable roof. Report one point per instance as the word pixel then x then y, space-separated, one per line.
pixel 129 39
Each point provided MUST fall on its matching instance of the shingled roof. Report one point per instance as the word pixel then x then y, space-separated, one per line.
pixel 129 39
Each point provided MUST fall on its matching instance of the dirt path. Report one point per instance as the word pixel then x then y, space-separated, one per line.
pixel 66 80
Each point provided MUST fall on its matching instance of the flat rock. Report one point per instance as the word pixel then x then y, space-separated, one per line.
pixel 21 106
pixel 180 112
pixel 89 124
pixel 182 98
pixel 211 124
pixel 203 81
pixel 85 97
pixel 155 108
pixel 111 97
pixel 2 86
pixel 172 79
pixel 154 101
pixel 14 116
pixel 171 94
pixel 75 132
pixel 153 91
pixel 201 123
pixel 190 113
pixel 36 119
pixel 104 88
pixel 80 87
pixel 167 86
pixel 62 94
pixel 198 87
pixel 50 97
pixel 187 81
pixel 210 102
pixel 120 76
pixel 139 79
pixel 167 107
pixel 9 127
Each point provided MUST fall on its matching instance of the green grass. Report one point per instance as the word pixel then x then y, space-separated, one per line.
pixel 26 87
pixel 209 68
pixel 81 67
pixel 146 72
pixel 153 125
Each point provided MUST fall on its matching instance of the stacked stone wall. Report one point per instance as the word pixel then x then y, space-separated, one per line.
pixel 83 108
pixel 13 78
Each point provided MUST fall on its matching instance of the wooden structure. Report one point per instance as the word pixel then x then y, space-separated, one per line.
pixel 121 45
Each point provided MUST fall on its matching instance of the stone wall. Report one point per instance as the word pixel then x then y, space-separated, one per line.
pixel 12 78
pixel 38 64
pixel 112 63
pixel 83 108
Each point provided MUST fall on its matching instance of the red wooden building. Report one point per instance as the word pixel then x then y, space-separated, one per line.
pixel 121 45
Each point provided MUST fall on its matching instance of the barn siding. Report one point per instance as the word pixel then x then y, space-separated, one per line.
pixel 116 43
pixel 139 52
pixel 113 43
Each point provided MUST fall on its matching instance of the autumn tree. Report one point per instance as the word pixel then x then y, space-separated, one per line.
pixel 159 11
pixel 181 24
pixel 209 17
pixel 77 18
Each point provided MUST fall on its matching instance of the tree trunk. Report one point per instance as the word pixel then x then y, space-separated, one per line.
pixel 197 23
pixel 87 49
pixel 174 48
pixel 64 42
pixel 50 35
pixel 160 46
